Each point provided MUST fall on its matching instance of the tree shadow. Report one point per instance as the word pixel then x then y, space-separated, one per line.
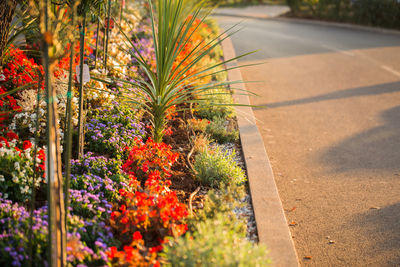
pixel 377 148
pixel 382 227
pixel 347 93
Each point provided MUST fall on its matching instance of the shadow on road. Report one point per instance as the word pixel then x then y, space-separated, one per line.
pixel 362 91
pixel 383 227
pixel 377 148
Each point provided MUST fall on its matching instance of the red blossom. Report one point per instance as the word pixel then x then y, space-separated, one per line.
pixel 137 235
pixel 26 145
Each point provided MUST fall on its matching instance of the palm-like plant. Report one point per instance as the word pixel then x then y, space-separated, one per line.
pixel 171 84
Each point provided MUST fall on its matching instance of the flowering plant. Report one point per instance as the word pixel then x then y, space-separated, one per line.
pixel 19 70
pixel 146 217
pixel 112 129
pixel 88 240
pixel 146 158
pixel 96 165
pixel 25 121
pixel 8 104
pixel 16 167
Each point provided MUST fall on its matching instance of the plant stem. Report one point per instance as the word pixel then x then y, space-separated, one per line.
pixel 68 129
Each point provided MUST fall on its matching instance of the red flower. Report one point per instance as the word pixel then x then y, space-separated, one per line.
pixel 137 235
pixel 11 136
pixel 112 253
pixel 26 145
pixel 124 220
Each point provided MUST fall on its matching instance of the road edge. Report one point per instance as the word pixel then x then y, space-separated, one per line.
pixel 272 226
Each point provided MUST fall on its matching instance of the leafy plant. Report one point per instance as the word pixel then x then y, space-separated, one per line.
pixel 216 106
pixel 172 83
pixel 216 166
pixel 220 131
pixel 221 201
pixel 216 242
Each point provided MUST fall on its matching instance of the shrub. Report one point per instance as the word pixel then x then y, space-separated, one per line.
pixel 221 201
pixel 216 242
pixel 219 130
pixel 216 106
pixel 214 167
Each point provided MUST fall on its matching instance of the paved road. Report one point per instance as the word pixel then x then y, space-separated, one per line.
pixel 330 121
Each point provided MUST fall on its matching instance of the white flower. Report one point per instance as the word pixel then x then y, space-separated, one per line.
pixel 16 166
pixel 15 178
pixel 24 189
pixel 2 178
pixel 5 195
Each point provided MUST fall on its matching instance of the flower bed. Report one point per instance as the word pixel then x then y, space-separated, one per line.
pixel 133 200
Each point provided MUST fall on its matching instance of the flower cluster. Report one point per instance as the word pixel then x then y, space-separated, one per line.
pixel 186 55
pixel 16 167
pixel 146 217
pixel 113 129
pixel 19 70
pixel 88 240
pixel 96 165
pixel 146 158
pixel 8 104
pixel 25 121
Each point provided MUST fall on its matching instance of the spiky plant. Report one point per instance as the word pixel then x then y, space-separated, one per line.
pixel 173 24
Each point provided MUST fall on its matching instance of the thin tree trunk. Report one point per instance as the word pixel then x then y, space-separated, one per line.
pixel 55 197
pixel 81 116
pixel 7 9
pixel 107 33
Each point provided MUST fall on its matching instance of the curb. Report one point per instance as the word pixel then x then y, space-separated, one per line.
pixel 272 227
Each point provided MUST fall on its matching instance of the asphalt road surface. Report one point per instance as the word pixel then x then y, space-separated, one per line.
pixel 330 121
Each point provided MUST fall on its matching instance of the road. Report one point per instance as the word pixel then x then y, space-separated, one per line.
pixel 329 115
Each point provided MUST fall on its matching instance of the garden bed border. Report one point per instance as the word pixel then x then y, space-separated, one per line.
pixel 272 227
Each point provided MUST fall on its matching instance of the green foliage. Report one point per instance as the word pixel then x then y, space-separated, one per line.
pixel 218 105
pixel 239 3
pixel 216 166
pixel 383 13
pixel 216 242
pixel 220 132
pixel 223 201
pixel 167 86
pixel 380 13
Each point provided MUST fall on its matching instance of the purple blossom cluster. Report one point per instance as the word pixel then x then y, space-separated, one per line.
pixel 111 130
pixel 97 165
pixel 88 239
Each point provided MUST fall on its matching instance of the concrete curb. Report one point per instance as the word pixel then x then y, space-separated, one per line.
pixel 272 226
